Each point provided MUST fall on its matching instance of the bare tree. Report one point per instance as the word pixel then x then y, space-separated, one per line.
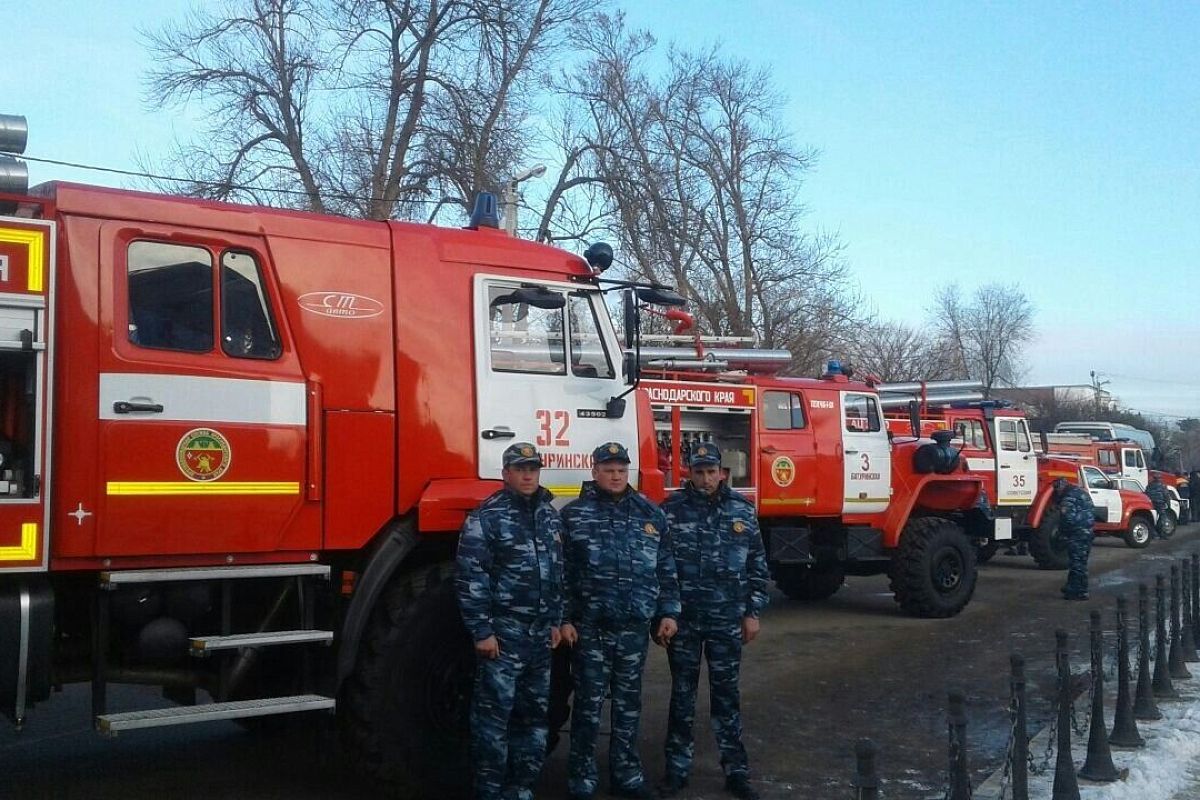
pixel 361 107
pixel 986 333
pixel 895 352
pixel 702 184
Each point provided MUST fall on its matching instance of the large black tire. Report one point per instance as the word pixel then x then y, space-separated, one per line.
pixel 1139 533
pixel 933 572
pixel 1168 523
pixel 809 584
pixel 1047 545
pixel 405 707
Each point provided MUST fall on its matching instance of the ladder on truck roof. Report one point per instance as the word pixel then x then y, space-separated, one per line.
pixel 238 649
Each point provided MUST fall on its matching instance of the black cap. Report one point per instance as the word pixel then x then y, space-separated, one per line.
pixel 704 453
pixel 610 451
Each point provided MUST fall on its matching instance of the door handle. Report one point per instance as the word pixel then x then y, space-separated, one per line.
pixel 1006 466
pixel 493 433
pixel 130 407
pixel 851 452
pixel 770 450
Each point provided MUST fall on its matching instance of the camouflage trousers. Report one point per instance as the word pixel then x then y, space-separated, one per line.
pixel 607 661
pixel 723 650
pixel 1079 547
pixel 508 715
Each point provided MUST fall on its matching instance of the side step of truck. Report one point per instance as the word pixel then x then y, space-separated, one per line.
pixel 202 645
pixel 114 578
pixel 111 724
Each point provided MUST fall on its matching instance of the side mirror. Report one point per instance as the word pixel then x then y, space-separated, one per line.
pixel 536 296
pixel 660 297
pixel 614 408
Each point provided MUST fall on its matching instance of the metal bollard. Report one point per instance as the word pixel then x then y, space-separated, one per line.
pixel 1196 597
pixel 960 777
pixel 1187 642
pixel 866 782
pixel 1162 684
pixel 1144 706
pixel 1019 768
pixel 1098 766
pixel 1124 732
pixel 1066 785
pixel 1175 657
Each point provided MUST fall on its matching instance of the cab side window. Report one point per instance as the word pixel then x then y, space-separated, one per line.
pixel 1024 444
pixel 589 357
pixel 170 297
pixel 1008 434
pixel 523 337
pixel 246 329
pixel 969 432
pixel 862 414
pixel 782 411
pixel 1095 478
pixel 1131 458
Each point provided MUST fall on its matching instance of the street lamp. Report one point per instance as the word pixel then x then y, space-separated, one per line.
pixel 511 195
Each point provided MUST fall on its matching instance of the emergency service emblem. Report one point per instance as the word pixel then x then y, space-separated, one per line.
pixel 527 451
pixel 650 529
pixel 739 527
pixel 783 471
pixel 203 454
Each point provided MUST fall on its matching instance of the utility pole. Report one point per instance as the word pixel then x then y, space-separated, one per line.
pixel 1098 391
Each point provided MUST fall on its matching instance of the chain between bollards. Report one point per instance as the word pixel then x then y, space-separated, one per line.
pixel 1066 786
pixel 1124 732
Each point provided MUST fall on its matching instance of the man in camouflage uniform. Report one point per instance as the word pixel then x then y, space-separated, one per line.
pixel 1076 516
pixel 1157 492
pixel 509 584
pixel 723 577
pixel 620 576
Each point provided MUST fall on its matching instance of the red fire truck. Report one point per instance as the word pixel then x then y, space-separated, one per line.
pixel 836 494
pixel 994 441
pixel 237 444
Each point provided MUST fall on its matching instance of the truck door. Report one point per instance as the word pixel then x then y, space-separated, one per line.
pixel 26 305
pixel 1134 465
pixel 1105 498
pixel 787 453
pixel 866 455
pixel 1016 465
pixel 202 415
pixel 546 363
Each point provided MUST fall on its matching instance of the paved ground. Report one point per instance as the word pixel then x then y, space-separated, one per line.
pixel 819 678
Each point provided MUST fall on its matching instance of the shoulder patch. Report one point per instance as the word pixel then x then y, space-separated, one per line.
pixel 650 529
pixel 739 527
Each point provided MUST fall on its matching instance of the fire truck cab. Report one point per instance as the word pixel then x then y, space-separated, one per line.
pixel 237 444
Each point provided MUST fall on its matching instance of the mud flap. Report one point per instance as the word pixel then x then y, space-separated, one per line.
pixel 26 644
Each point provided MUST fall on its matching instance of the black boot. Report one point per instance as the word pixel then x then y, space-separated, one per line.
pixel 739 786
pixel 671 785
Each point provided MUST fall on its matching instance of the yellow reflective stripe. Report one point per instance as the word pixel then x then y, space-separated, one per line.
pixel 127 488
pixel 35 242
pixel 564 491
pixel 1025 502
pixel 27 549
pixel 801 501
pixel 868 499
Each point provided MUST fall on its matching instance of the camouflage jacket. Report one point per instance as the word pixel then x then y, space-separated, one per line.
pixel 619 567
pixel 509 563
pixel 1076 511
pixel 719 555
pixel 1157 492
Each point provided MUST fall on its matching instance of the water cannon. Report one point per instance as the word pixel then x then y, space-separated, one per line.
pixel 14 173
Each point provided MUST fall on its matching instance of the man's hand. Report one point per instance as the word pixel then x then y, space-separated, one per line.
pixel 750 626
pixel 569 635
pixel 667 628
pixel 555 637
pixel 488 648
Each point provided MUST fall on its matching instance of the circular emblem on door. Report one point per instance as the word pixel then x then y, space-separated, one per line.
pixel 783 471
pixel 203 454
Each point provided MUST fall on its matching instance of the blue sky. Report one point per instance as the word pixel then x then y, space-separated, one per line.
pixel 1055 146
